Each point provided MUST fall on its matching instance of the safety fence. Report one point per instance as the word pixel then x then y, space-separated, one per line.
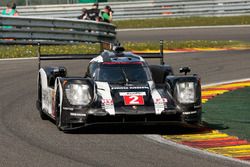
pixel 147 9
pixel 51 29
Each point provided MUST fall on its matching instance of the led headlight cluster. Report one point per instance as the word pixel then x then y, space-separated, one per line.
pixel 78 94
pixel 186 92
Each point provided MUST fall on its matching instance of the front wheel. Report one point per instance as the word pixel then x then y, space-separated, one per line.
pixel 43 116
pixel 195 122
pixel 57 111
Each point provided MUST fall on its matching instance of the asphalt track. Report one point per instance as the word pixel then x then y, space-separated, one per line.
pixel 27 141
pixel 216 33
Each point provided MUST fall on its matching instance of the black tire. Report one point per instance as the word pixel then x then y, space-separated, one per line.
pixel 43 116
pixel 57 110
pixel 197 122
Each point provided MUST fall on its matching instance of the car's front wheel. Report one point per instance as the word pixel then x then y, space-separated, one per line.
pixel 57 110
pixel 194 120
pixel 43 116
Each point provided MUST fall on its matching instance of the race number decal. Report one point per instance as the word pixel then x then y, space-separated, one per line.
pixel 133 100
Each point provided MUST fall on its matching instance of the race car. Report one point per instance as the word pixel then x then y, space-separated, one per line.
pixel 118 87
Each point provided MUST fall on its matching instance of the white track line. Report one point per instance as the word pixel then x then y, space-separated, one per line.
pixel 226 82
pixel 160 139
pixel 17 59
pixel 180 28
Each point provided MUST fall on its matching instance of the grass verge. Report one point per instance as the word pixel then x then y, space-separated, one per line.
pixel 183 22
pixel 17 51
pixel 172 45
pixel 229 113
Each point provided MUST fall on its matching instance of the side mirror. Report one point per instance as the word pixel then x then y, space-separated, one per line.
pixel 185 70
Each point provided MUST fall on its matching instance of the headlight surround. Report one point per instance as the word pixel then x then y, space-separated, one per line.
pixel 186 92
pixel 78 94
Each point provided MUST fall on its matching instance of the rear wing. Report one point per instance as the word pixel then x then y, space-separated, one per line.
pixel 50 57
pixel 103 46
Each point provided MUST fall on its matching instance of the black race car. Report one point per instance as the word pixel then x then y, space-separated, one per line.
pixel 119 87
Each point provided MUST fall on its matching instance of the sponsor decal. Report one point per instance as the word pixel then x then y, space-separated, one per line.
pixel 160 100
pixel 77 114
pixel 133 98
pixel 132 93
pixel 107 101
pixel 108 107
pixel 103 89
pixel 138 88
pixel 127 87
pixel 188 113
pixel 107 104
pixel 68 108
pixel 134 107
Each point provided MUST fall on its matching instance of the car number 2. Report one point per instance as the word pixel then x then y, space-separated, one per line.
pixel 133 100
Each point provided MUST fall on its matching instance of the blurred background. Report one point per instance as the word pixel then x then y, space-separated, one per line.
pixel 47 2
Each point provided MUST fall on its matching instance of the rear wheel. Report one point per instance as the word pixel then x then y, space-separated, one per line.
pixel 43 116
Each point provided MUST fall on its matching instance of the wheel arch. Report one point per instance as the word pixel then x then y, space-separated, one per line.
pixel 160 72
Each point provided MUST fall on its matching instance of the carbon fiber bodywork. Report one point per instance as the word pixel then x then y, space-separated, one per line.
pixel 77 116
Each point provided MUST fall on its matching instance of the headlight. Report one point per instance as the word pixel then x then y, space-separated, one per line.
pixel 186 92
pixel 78 94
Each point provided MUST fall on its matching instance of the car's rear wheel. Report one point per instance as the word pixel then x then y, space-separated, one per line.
pixel 43 116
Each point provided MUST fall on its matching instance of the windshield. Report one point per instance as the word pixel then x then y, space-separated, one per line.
pixel 124 73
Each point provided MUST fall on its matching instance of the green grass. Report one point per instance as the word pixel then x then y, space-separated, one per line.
pixel 15 51
pixel 18 51
pixel 171 45
pixel 229 113
pixel 180 22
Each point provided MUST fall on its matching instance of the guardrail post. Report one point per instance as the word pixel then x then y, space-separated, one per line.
pixel 162 52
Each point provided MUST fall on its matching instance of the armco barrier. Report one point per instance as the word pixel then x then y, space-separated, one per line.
pixel 50 29
pixel 147 9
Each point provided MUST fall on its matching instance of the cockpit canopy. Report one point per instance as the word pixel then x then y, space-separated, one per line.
pixel 122 72
pixel 124 67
